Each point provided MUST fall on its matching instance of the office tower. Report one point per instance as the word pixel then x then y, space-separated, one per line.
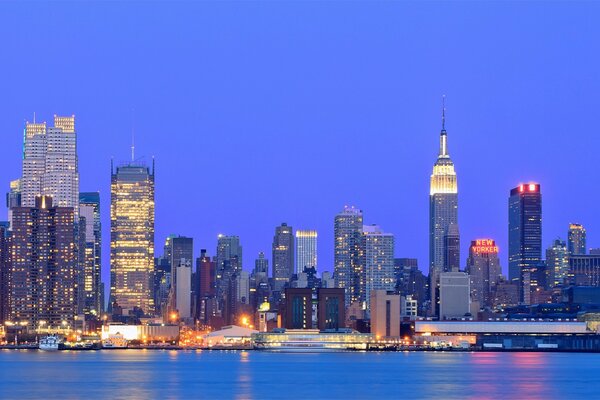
pixel 13 198
pixel 410 281
pixel 229 262
pixel 206 272
pixel 261 264
pixel 181 252
pixel 183 288
pixel 283 254
pixel 455 294
pixel 206 269
pixel 297 309
pixel 557 262
pixel 452 249
pixel 584 270
pixel 132 237
pixel 50 163
pixel 576 239
pixel 331 310
pixel 243 287
pixel 4 272
pixel 524 236
pixel 483 267
pixel 42 290
pixel 348 262
pixel 385 313
pixel 306 250
pixel 379 262
pixel 90 249
pixel 443 211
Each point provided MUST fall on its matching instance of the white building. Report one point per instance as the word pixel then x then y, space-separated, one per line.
pixel 50 163
pixel 306 250
pixel 183 294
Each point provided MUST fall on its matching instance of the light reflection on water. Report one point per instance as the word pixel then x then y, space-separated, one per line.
pixel 255 375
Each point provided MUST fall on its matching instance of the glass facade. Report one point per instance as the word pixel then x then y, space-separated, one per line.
pixel 132 237
pixel 348 265
pixel 524 235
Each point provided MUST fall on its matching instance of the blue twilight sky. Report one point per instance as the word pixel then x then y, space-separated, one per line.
pixel 264 112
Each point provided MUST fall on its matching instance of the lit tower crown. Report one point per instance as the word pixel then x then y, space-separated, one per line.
pixel 443 179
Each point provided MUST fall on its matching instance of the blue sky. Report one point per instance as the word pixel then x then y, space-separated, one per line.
pixel 266 112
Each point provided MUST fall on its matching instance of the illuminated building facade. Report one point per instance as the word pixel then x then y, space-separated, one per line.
pixel 4 273
pixel 379 262
pixel 43 259
pixel 348 262
pixel 557 263
pixel 483 267
pixel 306 250
pixel 283 254
pixel 132 237
pixel 443 212
pixel 90 250
pixel 524 236
pixel 13 198
pixel 50 163
pixel 577 239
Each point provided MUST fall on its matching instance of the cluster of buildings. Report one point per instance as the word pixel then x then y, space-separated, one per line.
pixel 50 261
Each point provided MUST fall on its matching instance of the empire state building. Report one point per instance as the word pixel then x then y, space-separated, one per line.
pixel 444 244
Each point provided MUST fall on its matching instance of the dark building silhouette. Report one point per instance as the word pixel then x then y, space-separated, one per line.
pixel 297 308
pixel 331 308
pixel 524 236
pixel 283 254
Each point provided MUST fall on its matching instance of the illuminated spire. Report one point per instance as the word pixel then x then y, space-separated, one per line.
pixel 443 138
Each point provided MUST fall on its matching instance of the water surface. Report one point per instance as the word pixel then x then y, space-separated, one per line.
pixel 135 374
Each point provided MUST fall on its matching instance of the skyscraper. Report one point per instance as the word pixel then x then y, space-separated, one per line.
pixel 50 163
pixel 443 211
pixel 283 254
pixel 557 263
pixel 452 249
pixel 182 254
pixel 90 266
pixel 306 250
pixel 483 267
pixel 524 236
pixel 42 290
pixel 576 239
pixel 379 262
pixel 261 265
pixel 229 263
pixel 13 198
pixel 132 237
pixel 4 273
pixel 348 263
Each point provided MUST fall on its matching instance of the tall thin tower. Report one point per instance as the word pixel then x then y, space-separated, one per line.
pixel 443 211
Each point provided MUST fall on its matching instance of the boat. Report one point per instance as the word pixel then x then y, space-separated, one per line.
pixel 116 341
pixel 49 343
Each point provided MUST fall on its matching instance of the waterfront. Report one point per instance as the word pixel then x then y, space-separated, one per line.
pixel 135 374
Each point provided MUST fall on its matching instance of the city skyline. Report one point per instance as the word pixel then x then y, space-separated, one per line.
pixel 476 122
